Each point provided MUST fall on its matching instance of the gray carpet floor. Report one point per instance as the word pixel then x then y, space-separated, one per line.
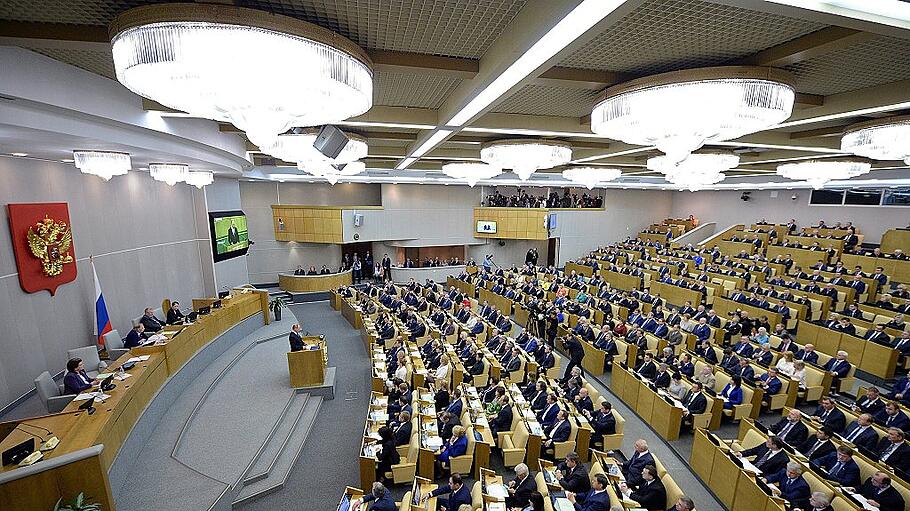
pixel 328 461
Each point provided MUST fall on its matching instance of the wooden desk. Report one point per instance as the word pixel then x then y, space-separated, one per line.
pixel 313 283
pixel 896 238
pixel 897 270
pixel 351 312
pixel 307 368
pixel 621 280
pixel 674 294
pixel 866 356
pixel 664 417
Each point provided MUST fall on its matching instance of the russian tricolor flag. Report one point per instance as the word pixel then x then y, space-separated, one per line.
pixel 102 320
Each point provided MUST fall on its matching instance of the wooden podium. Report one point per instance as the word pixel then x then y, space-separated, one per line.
pixel 307 367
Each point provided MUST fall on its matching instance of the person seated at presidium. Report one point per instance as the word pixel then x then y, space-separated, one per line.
pixel 174 316
pixel 76 381
pixel 151 323
pixel 135 337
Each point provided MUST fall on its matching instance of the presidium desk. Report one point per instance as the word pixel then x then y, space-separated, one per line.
pixel 114 418
pixel 314 283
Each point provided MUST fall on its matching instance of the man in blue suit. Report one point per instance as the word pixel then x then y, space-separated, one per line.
pixel 743 348
pixel 893 417
pixel 807 354
pixel 861 433
pixel 595 499
pixel 702 331
pixel 458 494
pixel 791 485
pixel 380 497
pixel 560 431
pixel 632 468
pixel 770 382
pixel 547 416
pixel 839 467
pixel 839 368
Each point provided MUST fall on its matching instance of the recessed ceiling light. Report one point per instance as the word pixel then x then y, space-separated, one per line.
pixel 68 160
pixel 19 154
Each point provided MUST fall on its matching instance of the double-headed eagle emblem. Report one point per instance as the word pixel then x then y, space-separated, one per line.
pixel 50 242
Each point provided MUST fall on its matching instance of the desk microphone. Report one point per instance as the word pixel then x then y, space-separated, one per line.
pixel 46 444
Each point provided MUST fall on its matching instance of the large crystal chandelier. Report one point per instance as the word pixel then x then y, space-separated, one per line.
pixel 589 177
pixel 697 170
pixel 197 58
pixel 200 178
pixel 298 147
pixel 330 172
pixel 525 156
pixel 819 172
pixel 104 164
pixel 882 139
pixel 170 173
pixel 471 172
pixel 678 112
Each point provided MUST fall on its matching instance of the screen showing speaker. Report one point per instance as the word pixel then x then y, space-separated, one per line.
pixel 486 227
pixel 230 236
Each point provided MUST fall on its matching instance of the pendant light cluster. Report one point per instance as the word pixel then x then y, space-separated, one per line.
pixel 297 146
pixel 107 164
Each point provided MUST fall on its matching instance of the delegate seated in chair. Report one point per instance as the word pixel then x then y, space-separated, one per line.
pixel 456 446
pixel 76 381
pixel 135 338
pixel 733 393
pixel 559 432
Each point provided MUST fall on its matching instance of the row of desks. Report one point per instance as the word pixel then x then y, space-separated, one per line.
pixel 865 355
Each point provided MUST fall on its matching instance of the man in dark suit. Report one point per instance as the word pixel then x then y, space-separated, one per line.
pixel 402 428
pixel 871 403
pixel 893 451
pixel 647 368
pixel 603 421
pixel 839 368
pixel 151 323
pixel 840 467
pixel 891 416
pixel 632 468
pixel 572 475
pixel 650 493
pixel 791 485
pixel 882 495
pixel 769 456
pixel 861 433
pixel 559 432
pixel 521 487
pixel 596 499
pixel 576 354
pixel 233 234
pixel 459 494
pixel 828 414
pixel 380 497
pixel 503 419
pixel 791 429
pixel 694 403
pixel 818 445
pixel 744 370
pixel 807 354
pixel 295 339
pixel 547 417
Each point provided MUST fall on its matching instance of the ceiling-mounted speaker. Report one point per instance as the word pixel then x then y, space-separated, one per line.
pixel 358 219
pixel 330 141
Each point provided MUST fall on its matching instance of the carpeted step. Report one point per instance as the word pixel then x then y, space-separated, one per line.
pixel 280 467
pixel 277 440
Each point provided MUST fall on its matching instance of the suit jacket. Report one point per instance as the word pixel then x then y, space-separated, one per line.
pixel 841 367
pixel 503 420
pixel 796 491
pixel 384 503
pixel 456 498
pixel 820 451
pixel 900 420
pixel 604 423
pixel 151 323
pixel 296 341
pixel 648 370
pixel 651 496
pixel 847 475
pixel 547 416
pixel 888 499
pixel 899 458
pixel 403 433
pixel 835 419
pixel 560 431
pixel 811 358
pixel 773 463
pixel 133 339
pixel 592 501
pixel 576 479
pixel 695 404
pixel 523 490
pixel 868 438
pixel 795 436
pixel 73 384
pixel 632 468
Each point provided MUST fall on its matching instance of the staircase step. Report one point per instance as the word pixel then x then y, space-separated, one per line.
pixel 288 451
pixel 277 440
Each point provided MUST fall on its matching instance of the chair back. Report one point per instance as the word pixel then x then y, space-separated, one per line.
pixel 113 341
pixel 674 492
pixel 46 387
pixel 520 436
pixel 89 356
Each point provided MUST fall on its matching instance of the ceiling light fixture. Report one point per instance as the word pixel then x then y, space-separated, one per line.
pixel 697 170
pixel 680 111
pixel 330 172
pixel 200 178
pixel 471 172
pixel 589 177
pixel 19 155
pixel 525 156
pixel 882 139
pixel 104 164
pixel 170 173
pixel 297 146
pixel 818 172
pixel 189 57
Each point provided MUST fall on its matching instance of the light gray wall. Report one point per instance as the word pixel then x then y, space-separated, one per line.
pixel 726 208
pixel 146 247
pixel 224 195
pixel 267 258
pixel 511 254
pixel 626 212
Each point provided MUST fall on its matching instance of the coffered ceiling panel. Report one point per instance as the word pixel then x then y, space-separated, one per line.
pixel 874 62
pixel 545 100
pixel 411 90
pixel 98 62
pixel 78 12
pixel 666 35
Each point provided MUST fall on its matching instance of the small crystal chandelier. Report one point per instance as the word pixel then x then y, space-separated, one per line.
pixel 589 177
pixel 170 173
pixel 330 172
pixel 819 172
pixel 104 164
pixel 297 146
pixel 525 156
pixel 679 112
pixel 191 57
pixel 697 170
pixel 882 139
pixel 200 178
pixel 471 172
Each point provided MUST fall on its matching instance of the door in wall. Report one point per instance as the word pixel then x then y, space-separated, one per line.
pixel 552 251
pixel 349 249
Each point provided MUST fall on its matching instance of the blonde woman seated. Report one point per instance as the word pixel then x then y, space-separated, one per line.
pixel 785 364
pixel 442 372
pixel 799 373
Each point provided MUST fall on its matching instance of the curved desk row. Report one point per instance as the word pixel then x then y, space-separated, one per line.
pixel 111 423
pixel 435 273
pixel 313 283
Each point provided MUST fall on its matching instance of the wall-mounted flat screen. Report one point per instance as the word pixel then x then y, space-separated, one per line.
pixel 230 237
pixel 486 227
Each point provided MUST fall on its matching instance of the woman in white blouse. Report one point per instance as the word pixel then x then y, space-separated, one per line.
pixel 785 364
pixel 686 324
pixel 401 372
pixel 799 373
pixel 442 372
